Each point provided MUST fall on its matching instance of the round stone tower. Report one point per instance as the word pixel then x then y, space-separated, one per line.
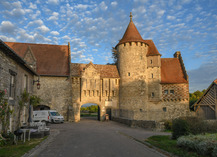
pixel 132 66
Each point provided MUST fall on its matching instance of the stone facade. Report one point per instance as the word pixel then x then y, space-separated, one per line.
pixel 22 79
pixel 55 93
pixel 89 87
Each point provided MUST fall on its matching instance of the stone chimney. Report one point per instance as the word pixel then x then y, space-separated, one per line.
pixel 177 54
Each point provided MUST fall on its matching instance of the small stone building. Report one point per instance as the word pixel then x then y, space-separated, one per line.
pixel 206 106
pixel 52 63
pixel 15 76
pixel 143 87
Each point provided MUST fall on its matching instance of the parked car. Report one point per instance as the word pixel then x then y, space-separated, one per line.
pixel 56 117
pixel 47 116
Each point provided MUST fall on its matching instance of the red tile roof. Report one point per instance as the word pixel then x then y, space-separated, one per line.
pixel 51 59
pixel 152 50
pixel 171 71
pixel 132 35
pixel 106 71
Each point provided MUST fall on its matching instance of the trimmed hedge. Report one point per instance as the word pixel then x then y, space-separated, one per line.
pixel 202 144
pixel 180 127
pixel 192 125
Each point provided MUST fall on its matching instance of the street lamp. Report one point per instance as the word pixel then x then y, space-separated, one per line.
pixel 38 84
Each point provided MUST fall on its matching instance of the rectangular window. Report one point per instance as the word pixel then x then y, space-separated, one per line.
pixel 152 94
pixel 152 75
pixel 151 61
pixel 171 91
pixel 128 74
pixel 12 85
pixel 25 83
pixel 165 91
pixel 116 81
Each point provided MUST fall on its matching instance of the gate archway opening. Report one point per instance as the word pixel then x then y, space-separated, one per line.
pixel 41 107
pixel 90 111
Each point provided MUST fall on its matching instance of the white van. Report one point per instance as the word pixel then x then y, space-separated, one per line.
pixel 41 116
pixel 47 116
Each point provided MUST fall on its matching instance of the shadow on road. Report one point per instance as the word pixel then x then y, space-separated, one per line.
pixel 89 118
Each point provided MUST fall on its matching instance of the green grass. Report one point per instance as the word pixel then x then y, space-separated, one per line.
pixel 89 114
pixel 19 149
pixel 169 145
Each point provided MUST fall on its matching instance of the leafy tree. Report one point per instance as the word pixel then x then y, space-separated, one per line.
pixel 194 97
pixel 5 112
pixel 114 56
pixel 35 100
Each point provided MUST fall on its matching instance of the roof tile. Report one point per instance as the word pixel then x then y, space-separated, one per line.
pixel 51 59
pixel 171 71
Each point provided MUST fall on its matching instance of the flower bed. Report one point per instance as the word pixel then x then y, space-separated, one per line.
pixel 202 144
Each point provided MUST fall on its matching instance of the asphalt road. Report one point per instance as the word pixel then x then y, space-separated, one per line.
pixel 92 138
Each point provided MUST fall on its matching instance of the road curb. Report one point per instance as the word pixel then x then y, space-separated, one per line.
pixel 35 151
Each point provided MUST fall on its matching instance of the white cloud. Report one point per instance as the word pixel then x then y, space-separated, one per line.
pixel 24 36
pixel 171 17
pixel 17 4
pixel 35 23
pixel 160 12
pixel 43 29
pixel 7 27
pixel 82 6
pixel 114 4
pixel 16 13
pixel 139 10
pixel 141 1
pixel 54 16
pixel 189 17
pixel 103 6
pixel 32 6
pixel 55 2
pixel 7 39
pixel 55 33
pixel 66 37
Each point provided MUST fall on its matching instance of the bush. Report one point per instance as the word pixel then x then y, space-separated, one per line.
pixel 180 127
pixel 168 125
pixel 202 144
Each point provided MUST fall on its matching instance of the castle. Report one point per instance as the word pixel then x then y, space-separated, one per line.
pixel 143 87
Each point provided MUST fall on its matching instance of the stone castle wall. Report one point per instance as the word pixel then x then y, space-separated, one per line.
pixel 55 92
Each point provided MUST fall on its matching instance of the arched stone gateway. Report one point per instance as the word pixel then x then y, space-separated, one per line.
pixel 91 85
pixel 90 114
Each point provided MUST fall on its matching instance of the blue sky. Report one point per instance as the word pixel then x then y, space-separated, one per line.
pixel 94 27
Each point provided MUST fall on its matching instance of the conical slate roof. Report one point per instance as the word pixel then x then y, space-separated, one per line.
pixel 131 34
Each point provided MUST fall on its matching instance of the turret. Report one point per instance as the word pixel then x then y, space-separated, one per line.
pixel 132 66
